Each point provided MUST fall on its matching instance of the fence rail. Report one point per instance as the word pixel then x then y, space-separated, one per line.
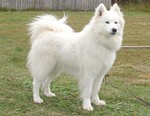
pixel 136 47
pixel 53 4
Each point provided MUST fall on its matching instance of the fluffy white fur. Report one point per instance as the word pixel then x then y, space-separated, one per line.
pixel 87 55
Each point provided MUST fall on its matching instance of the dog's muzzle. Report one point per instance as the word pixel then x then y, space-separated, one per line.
pixel 114 30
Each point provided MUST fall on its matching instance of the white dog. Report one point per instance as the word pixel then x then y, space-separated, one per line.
pixel 87 55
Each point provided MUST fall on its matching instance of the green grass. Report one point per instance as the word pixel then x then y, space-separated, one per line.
pixel 126 88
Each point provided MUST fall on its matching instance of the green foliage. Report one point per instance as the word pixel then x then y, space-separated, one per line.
pixel 125 88
pixel 142 7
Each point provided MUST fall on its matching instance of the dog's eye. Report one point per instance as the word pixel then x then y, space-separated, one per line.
pixel 116 22
pixel 107 22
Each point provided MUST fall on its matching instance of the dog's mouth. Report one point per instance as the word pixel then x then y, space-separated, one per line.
pixel 113 33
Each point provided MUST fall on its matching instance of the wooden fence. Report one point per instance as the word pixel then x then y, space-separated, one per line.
pixel 83 5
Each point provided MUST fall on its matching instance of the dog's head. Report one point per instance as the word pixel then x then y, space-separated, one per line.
pixel 108 25
pixel 110 22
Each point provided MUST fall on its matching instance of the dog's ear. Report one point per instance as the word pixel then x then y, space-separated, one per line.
pixel 100 10
pixel 116 8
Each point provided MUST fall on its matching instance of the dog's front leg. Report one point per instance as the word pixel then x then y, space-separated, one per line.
pixel 95 89
pixel 85 86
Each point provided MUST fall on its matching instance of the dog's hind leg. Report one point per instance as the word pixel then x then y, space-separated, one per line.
pixel 41 77
pixel 36 87
pixel 46 87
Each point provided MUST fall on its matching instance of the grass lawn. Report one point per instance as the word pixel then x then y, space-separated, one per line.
pixel 126 88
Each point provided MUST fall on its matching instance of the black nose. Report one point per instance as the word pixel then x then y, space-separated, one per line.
pixel 114 30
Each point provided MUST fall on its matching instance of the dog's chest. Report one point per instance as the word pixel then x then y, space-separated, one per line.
pixel 99 61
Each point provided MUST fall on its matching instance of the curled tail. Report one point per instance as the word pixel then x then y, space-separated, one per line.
pixel 47 23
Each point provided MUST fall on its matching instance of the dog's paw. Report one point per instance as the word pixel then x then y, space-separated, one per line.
pixel 50 94
pixel 98 102
pixel 38 100
pixel 88 108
